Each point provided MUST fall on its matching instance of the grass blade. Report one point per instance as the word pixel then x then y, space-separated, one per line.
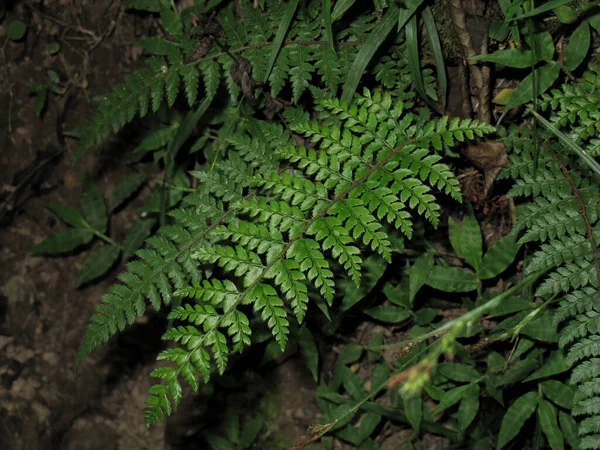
pixel 591 162
pixel 284 25
pixel 542 9
pixel 414 62
pixel 367 50
pixel 438 55
pixel 327 22
pixel 340 8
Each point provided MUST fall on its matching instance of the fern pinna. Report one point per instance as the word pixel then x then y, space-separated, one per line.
pixel 271 216
pixel 563 216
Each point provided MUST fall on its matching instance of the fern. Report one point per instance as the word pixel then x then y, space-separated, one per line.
pixel 273 229
pixel 563 215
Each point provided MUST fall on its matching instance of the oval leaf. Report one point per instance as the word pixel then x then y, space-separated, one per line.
pixel 451 279
pixel 389 314
pixel 578 47
pixel 499 257
pixel 515 417
pixel 97 263
pixel 63 241
pixel 546 75
pixel 549 425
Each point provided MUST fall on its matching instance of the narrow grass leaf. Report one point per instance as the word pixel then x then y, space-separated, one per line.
pixel 284 25
pixel 436 50
pixel 327 22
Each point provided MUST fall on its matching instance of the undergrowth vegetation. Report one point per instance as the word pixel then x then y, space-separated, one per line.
pixel 322 172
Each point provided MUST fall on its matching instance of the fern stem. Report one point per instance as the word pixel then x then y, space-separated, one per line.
pixel 584 214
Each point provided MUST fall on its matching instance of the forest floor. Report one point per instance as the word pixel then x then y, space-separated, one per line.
pixel 44 404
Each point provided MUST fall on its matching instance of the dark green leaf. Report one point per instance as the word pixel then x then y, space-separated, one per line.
pixel 137 234
pixel 368 423
pixel 413 407
pixel 53 47
pixel 437 53
pixel 555 364
pixel 451 397
pixel 458 372
pixel 546 76
pixel 68 215
pixel 511 57
pixel 41 95
pixel 350 354
pixel 124 189
pixel 425 316
pixel 568 426
pixel 97 263
pixel 466 240
pixel 231 424
pixel 469 405
pixel 558 392
pixel 565 14
pixel 547 416
pixel 309 352
pixel 499 257
pixel 144 5
pixel 16 30
pixel 373 268
pixel 389 314
pixel 418 274
pixel 543 44
pixel 515 417
pixel 352 384
pixel 547 6
pixel 451 279
pixel 284 25
pixel 92 204
pixel 250 432
pixel 412 55
pixel 368 49
pixel 519 371
pixel 327 22
pixel 63 241
pixel 171 21
pixel 340 7
pixel 578 46
pixel 511 305
pixel 158 46
pixel 216 442
pixel 541 329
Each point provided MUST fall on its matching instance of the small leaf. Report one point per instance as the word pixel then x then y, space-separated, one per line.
pixel 515 417
pixel 216 442
pixel 92 204
pixel 63 241
pixel 568 426
pixel 124 189
pixel 53 47
pixel 340 7
pixel 451 397
pixel 389 314
pixel 499 257
pixel 503 96
pixel 458 372
pixel 413 407
pixel 578 46
pixel 547 415
pixel 68 215
pixel 541 329
pixel 137 234
pixel 97 263
pixel 368 49
pixel 284 25
pixel 558 392
pixel 16 30
pixel 546 76
pixel 250 432
pixel 565 14
pixel 451 279
pixel 511 57
pixel 309 351
pixel 171 21
pixel 469 405
pixel 547 6
pixel 466 240
pixel 352 384
pixel 418 274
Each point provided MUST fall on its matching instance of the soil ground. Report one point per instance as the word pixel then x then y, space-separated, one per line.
pixel 44 404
